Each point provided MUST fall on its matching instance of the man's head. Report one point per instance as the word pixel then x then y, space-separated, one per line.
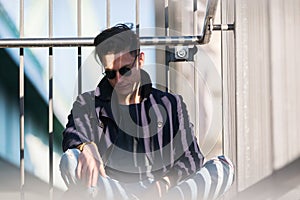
pixel 116 39
pixel 119 51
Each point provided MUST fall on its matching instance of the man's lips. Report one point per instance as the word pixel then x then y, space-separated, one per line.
pixel 123 85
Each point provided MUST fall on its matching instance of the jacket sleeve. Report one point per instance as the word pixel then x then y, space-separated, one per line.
pixel 188 157
pixel 79 126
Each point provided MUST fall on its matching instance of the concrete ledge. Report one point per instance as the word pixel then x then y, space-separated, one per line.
pixel 282 184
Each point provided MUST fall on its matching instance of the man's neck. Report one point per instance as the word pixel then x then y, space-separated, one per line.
pixel 133 98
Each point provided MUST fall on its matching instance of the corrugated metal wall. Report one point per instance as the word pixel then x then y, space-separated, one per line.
pixel 285 63
pixel 261 87
pixel 229 86
pixel 253 95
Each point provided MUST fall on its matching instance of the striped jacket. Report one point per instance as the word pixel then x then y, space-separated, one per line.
pixel 155 139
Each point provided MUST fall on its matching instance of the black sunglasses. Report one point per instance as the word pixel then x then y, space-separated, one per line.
pixel 124 71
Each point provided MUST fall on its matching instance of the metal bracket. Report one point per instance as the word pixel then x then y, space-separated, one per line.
pixel 180 53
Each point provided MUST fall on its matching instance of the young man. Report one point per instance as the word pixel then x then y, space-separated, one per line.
pixel 128 140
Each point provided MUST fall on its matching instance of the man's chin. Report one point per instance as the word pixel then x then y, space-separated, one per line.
pixel 123 91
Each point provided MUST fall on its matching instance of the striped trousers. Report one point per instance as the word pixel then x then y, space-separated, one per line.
pixel 210 182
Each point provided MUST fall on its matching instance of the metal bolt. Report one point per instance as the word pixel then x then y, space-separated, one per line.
pixel 181 52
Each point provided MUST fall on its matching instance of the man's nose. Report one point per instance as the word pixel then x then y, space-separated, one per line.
pixel 118 76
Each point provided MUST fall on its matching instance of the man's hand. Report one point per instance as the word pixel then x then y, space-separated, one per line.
pixel 155 190
pixel 163 186
pixel 90 165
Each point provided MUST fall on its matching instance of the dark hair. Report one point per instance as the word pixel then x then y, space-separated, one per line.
pixel 115 40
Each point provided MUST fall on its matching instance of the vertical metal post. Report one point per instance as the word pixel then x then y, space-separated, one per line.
pixel 107 13
pixel 167 32
pixel 222 80
pixel 196 70
pixel 137 19
pixel 21 102
pixel 137 16
pixel 195 17
pixel 79 48
pixel 50 108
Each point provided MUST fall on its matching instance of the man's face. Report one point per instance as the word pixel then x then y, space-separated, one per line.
pixel 117 64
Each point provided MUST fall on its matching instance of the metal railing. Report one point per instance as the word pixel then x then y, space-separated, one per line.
pixel 201 39
pixel 79 42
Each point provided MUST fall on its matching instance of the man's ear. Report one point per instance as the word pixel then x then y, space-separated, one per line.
pixel 141 59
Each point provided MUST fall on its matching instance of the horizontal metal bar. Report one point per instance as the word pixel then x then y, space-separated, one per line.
pixel 76 42
pixel 223 27
pixel 171 40
pixel 45 42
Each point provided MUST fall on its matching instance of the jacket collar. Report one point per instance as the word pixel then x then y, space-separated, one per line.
pixel 104 90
